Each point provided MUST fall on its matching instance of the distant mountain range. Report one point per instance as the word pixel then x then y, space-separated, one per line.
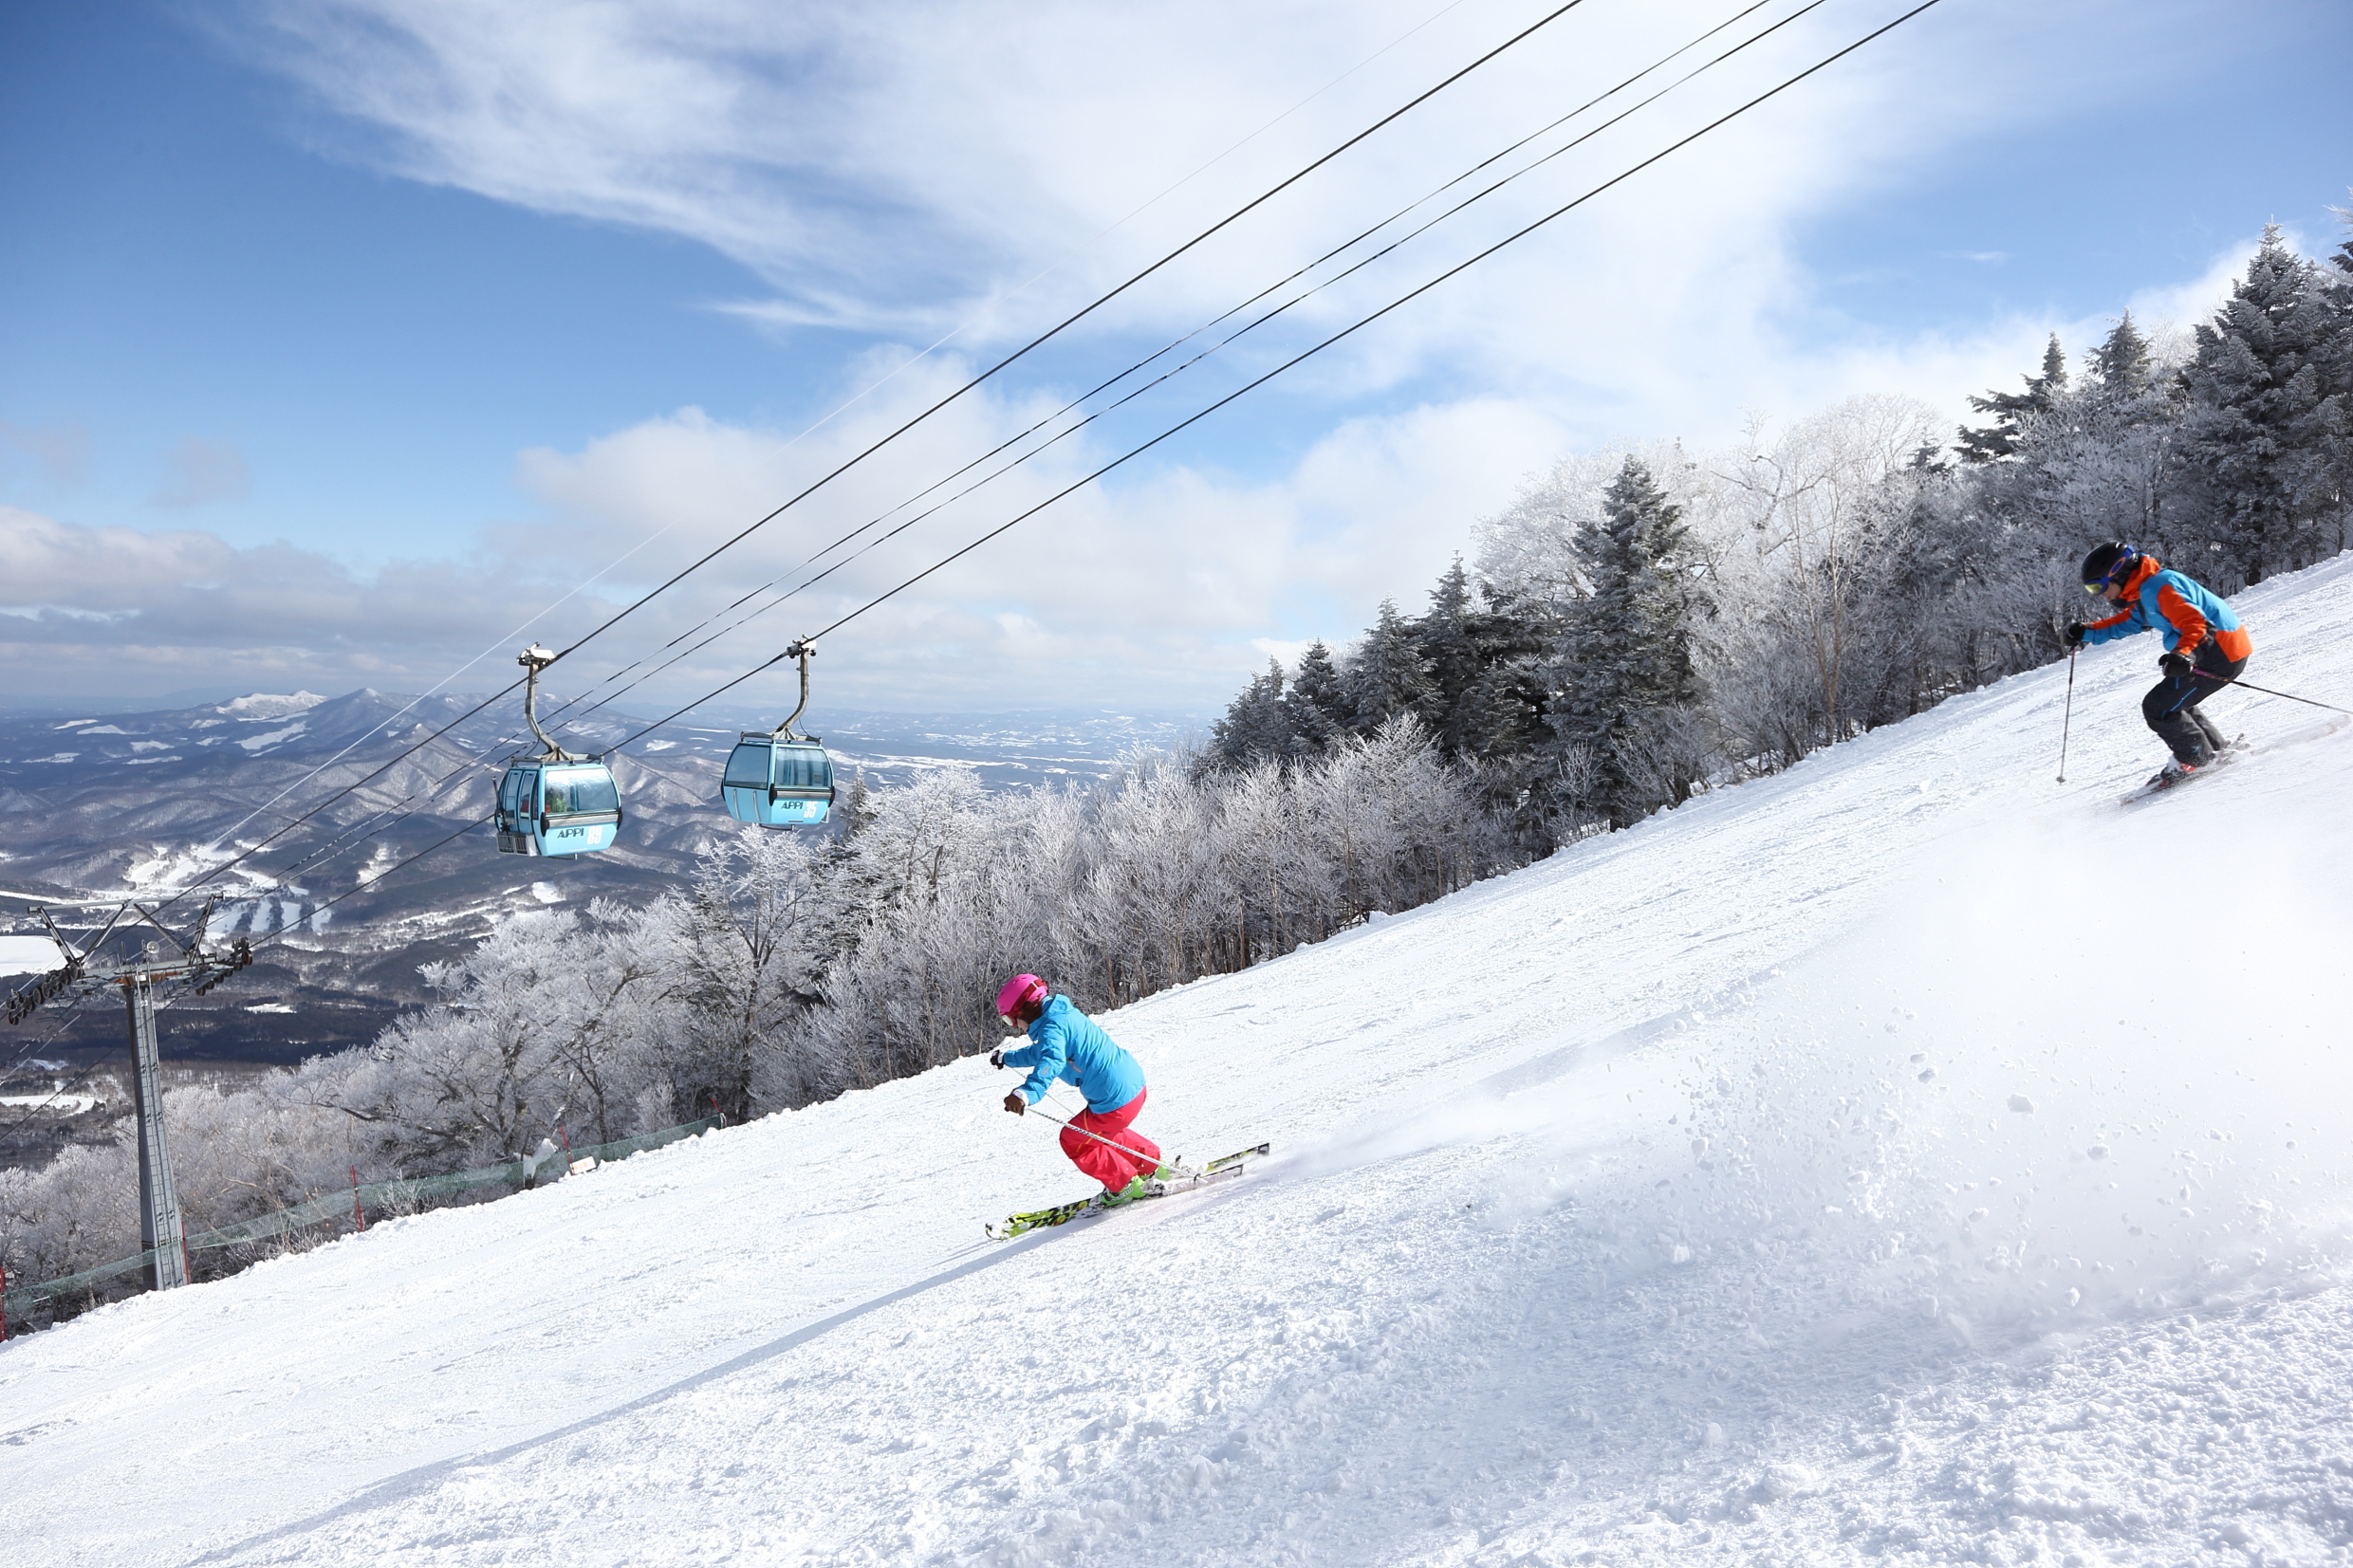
pixel 140 805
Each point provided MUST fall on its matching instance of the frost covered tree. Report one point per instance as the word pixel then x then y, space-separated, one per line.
pixel 1317 707
pixel 1627 662
pixel 741 957
pixel 2011 410
pixel 1829 514
pixel 532 1028
pixel 920 889
pixel 1258 724
pixel 1388 675
pixel 2256 398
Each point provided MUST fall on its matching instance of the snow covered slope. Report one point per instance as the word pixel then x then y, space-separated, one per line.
pixel 1908 1157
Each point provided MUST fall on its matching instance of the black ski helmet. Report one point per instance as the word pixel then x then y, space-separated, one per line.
pixel 2107 562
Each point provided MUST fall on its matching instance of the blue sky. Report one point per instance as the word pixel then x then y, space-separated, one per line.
pixel 370 328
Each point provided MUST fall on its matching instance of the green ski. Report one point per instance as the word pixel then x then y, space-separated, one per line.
pixel 1218 1169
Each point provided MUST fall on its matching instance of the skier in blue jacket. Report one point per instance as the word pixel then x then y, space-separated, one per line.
pixel 1065 1044
pixel 2205 648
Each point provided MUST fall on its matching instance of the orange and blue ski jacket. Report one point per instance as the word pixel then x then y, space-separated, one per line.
pixel 2186 612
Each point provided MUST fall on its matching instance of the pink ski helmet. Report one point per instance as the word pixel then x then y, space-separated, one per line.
pixel 1018 991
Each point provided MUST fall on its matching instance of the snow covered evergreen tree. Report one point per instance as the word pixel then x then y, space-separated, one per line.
pixel 1628 654
pixel 1992 442
pixel 2253 432
pixel 1258 724
pixel 1317 704
pixel 2121 360
pixel 1447 642
pixel 2328 495
pixel 1387 676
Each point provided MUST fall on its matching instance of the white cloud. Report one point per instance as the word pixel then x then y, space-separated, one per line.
pixel 2176 308
pixel 1287 654
pixel 896 171
pixel 1150 588
pixel 1167 586
pixel 903 171
pixel 113 610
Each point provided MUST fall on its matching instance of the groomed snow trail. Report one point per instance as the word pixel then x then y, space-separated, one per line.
pixel 1908 1158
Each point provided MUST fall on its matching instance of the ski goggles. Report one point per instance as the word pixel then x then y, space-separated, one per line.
pixel 2116 574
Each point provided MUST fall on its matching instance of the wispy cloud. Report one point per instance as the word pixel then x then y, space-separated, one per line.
pixel 62 449
pixel 896 172
pixel 197 472
pixel 899 172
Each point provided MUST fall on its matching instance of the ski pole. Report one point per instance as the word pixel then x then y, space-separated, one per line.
pixel 2067 723
pixel 1122 1148
pixel 2229 680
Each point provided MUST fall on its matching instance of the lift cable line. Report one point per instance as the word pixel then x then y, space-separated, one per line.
pixel 1093 240
pixel 1067 322
pixel 1510 239
pixel 1165 435
pixel 16 1129
pixel 836 473
pixel 1020 288
pixel 1366 321
pixel 1288 364
pixel 437 843
pixel 1302 271
pixel 350 788
pixel 874 386
pixel 500 644
pixel 397 815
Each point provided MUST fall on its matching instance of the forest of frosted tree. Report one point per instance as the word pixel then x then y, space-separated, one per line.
pixel 1644 624
pixel 1641 626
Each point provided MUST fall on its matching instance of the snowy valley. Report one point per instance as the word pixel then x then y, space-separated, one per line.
pixel 1904 1157
pixel 142 805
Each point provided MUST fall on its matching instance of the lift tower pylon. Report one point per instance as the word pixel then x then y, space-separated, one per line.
pixel 161 1235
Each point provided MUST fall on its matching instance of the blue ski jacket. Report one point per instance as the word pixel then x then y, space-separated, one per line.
pixel 1066 1044
pixel 2185 611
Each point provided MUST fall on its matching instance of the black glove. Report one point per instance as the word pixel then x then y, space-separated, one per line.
pixel 2176 665
pixel 996 1058
pixel 1014 1103
pixel 2074 635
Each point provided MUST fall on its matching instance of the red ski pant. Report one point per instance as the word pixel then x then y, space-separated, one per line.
pixel 1114 1167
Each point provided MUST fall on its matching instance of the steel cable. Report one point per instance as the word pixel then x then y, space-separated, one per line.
pixel 836 473
pixel 1084 398
pixel 1191 419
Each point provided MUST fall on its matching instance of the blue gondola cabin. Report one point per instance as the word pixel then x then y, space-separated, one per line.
pixel 777 783
pixel 558 808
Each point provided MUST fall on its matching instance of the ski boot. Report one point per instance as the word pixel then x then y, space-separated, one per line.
pixel 1133 1190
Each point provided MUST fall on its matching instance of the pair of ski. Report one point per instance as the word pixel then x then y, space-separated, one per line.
pixel 2171 778
pixel 1223 1169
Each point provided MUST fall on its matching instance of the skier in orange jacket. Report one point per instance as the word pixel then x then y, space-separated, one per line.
pixel 2206 648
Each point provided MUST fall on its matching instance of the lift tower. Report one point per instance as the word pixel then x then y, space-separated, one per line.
pixel 161 1233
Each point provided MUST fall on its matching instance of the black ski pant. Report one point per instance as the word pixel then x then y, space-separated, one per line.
pixel 2172 708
